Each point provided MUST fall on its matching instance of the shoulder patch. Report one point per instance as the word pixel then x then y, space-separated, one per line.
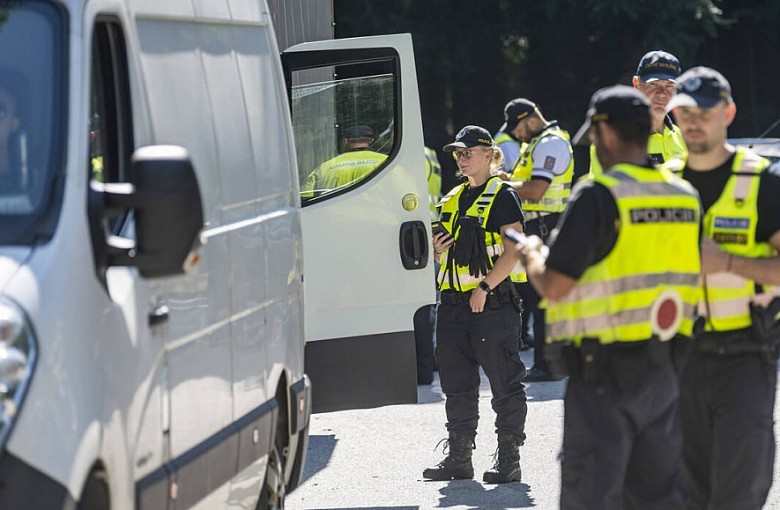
pixel 549 162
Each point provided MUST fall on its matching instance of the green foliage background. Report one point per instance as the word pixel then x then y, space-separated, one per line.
pixel 473 56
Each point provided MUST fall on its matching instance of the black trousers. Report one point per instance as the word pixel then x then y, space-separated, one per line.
pixel 621 449
pixel 424 319
pixel 541 227
pixel 464 342
pixel 727 406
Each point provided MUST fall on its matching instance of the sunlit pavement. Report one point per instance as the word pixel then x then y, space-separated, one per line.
pixel 374 458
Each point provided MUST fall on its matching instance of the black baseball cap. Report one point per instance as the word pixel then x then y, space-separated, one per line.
pixel 701 87
pixel 658 65
pixel 515 111
pixel 470 136
pixel 615 103
pixel 360 131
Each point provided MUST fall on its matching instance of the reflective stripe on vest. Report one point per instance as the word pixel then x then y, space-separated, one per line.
pixel 557 194
pixel 656 254
pixel 346 168
pixel 731 222
pixel 461 279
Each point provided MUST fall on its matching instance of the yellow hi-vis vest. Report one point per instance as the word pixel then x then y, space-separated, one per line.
pixel 661 147
pixel 433 170
pixel 452 276
pixel 343 169
pixel 557 194
pixel 655 259
pixel 503 138
pixel 731 222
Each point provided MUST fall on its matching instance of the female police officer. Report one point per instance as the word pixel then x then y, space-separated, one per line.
pixel 479 320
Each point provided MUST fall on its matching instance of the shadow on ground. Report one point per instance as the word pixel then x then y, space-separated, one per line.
pixel 318 455
pixel 473 495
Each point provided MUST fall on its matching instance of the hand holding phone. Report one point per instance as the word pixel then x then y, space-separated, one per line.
pixel 437 227
pixel 531 243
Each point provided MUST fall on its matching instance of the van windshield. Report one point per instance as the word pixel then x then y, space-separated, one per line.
pixel 32 94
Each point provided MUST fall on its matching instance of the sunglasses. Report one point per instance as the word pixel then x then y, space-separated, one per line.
pixel 466 154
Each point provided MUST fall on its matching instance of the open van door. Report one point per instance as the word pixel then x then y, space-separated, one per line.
pixel 366 227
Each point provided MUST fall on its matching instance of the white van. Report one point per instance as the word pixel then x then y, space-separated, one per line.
pixel 151 267
pixel 151 319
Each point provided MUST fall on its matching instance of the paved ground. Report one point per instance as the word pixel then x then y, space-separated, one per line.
pixel 374 458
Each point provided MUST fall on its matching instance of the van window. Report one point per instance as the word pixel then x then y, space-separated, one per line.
pixel 110 131
pixel 344 126
pixel 32 124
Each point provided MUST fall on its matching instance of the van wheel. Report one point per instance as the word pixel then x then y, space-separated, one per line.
pixel 274 489
pixel 95 495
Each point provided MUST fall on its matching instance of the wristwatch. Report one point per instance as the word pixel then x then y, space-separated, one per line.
pixel 484 286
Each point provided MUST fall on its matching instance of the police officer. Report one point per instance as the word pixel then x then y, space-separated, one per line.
pixel 728 385
pixel 542 179
pixel 655 78
pixel 478 319
pixel 507 138
pixel 621 281
pixel 355 162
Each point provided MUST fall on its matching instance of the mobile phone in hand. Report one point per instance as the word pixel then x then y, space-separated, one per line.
pixel 437 227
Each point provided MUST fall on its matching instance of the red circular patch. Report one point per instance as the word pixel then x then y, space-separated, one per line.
pixel 667 314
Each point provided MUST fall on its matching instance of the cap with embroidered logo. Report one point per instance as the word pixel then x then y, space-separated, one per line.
pixel 701 87
pixel 658 65
pixel 515 111
pixel 616 103
pixel 470 136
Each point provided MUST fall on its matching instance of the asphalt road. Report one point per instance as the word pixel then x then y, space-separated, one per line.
pixel 374 458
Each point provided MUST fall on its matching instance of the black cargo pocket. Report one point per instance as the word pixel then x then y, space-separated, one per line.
pixel 578 476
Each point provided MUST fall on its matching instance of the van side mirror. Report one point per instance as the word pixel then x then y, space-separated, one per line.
pixel 166 204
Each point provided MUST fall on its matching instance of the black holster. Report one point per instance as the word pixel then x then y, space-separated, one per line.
pixel 507 293
pixel 583 363
pixel 765 328
pixel 590 359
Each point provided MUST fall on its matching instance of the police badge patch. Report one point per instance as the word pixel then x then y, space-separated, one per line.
pixel 549 162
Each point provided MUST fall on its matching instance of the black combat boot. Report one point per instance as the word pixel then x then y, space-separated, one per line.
pixel 507 462
pixel 457 464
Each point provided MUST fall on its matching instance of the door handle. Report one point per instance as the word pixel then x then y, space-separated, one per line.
pixel 413 244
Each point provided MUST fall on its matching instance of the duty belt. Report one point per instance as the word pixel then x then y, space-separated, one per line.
pixel 453 297
pixel 626 363
pixel 729 343
pixel 500 295
pixel 533 215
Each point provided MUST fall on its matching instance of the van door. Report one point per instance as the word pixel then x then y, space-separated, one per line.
pixel 366 234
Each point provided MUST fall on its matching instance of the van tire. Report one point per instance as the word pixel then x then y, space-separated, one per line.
pixel 95 495
pixel 274 489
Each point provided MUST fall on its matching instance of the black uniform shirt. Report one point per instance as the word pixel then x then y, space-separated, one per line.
pixel 710 187
pixel 587 230
pixel 506 208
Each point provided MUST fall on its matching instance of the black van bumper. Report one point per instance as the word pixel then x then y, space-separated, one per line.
pixel 24 487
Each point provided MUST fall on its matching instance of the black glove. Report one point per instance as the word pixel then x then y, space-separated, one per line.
pixel 470 249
